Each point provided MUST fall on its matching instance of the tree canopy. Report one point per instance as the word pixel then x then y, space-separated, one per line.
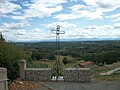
pixel 9 58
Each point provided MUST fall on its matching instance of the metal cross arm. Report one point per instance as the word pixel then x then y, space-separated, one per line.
pixel 57 32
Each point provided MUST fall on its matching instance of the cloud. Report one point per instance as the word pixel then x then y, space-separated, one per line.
pixel 40 9
pixel 25 35
pixel 72 31
pixel 8 7
pixel 114 17
pixel 37 30
pixel 21 32
pixel 14 26
pixel 66 16
pixel 117 26
pixel 105 31
pixel 104 5
pixel 43 12
pixel 92 9
pixel 63 25
pixel 80 13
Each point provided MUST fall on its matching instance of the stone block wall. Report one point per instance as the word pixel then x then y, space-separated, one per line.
pixel 3 79
pixel 38 74
pixel 34 74
pixel 44 74
pixel 77 74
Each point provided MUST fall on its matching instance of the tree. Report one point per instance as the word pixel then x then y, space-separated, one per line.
pixel 36 55
pixel 65 60
pixel 109 57
pixel 9 58
pixel 1 38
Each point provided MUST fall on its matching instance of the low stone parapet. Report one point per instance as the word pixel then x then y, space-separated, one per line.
pixel 77 74
pixel 38 74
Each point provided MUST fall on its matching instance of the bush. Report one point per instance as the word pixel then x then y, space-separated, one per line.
pixel 9 58
pixel 65 60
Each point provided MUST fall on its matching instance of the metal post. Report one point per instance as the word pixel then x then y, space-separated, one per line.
pixel 57 67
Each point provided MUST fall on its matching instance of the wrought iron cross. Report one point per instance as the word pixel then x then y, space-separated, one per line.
pixel 57 67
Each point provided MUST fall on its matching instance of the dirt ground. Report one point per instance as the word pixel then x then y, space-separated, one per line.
pixel 61 85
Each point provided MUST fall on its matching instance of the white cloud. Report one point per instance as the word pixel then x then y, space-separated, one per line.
pixel 71 32
pixel 114 17
pixel 94 9
pixel 8 7
pixel 14 26
pixel 105 31
pixel 63 25
pixel 117 26
pixel 104 5
pixel 66 16
pixel 21 32
pixel 37 30
pixel 78 13
pixel 35 11
pixel 26 35
pixel 117 19
pixel 77 7
pixel 41 9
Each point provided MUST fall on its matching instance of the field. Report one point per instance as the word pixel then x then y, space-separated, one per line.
pixel 96 70
pixel 50 64
pixel 100 52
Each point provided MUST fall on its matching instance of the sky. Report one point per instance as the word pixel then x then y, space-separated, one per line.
pixel 33 20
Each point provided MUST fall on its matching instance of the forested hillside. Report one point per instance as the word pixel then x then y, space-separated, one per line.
pixel 96 51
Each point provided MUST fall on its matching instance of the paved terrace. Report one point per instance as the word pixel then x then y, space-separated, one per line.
pixel 93 85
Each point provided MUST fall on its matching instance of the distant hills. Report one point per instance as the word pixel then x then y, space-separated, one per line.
pixel 78 39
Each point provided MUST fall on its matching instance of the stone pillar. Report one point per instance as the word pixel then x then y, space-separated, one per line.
pixel 3 79
pixel 22 67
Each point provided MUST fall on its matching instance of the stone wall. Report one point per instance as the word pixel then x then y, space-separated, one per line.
pixel 77 74
pixel 44 74
pixel 3 79
pixel 34 74
pixel 38 74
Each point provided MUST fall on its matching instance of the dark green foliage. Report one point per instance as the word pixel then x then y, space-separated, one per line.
pixel 42 55
pixel 96 51
pixel 65 60
pixel 2 38
pixel 108 57
pixel 36 55
pixel 9 58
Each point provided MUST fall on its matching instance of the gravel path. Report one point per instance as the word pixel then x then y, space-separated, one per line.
pixel 93 85
pixel 110 72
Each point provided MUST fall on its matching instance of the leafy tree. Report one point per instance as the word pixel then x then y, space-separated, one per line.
pixel 51 57
pixel 65 60
pixel 9 58
pixel 109 57
pixel 2 38
pixel 36 55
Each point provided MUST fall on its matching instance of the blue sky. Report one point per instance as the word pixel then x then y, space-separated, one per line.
pixel 33 20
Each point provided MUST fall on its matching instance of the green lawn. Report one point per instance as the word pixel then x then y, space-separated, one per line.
pixel 49 64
